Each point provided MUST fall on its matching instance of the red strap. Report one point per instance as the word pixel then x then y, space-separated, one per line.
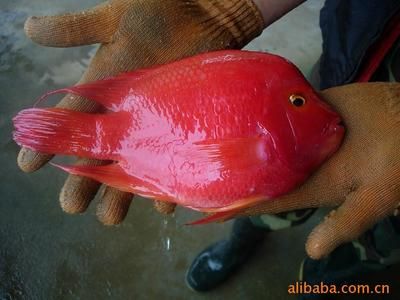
pixel 377 52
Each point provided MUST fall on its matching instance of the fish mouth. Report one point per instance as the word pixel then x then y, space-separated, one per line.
pixel 335 135
pixel 336 126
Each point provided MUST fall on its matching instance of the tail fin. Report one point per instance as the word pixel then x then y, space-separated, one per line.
pixel 62 131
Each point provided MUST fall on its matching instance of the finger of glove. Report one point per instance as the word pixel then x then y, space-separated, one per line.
pixel 78 192
pixel 113 206
pixel 95 25
pixel 30 161
pixel 360 211
pixel 165 208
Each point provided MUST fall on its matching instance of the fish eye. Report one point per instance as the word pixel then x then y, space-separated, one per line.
pixel 297 100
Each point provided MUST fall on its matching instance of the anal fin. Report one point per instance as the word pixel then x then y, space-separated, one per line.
pixel 220 214
pixel 113 175
pixel 215 217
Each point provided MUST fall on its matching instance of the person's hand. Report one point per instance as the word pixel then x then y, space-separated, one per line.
pixel 135 34
pixel 362 178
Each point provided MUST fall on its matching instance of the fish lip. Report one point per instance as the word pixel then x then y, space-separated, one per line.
pixel 334 133
pixel 337 131
pixel 337 126
pixel 339 122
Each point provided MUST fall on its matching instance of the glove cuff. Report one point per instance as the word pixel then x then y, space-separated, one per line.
pixel 240 18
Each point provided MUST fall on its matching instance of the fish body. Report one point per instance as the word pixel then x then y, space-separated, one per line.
pixel 215 132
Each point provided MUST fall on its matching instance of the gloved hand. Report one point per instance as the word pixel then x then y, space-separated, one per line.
pixel 135 34
pixel 362 178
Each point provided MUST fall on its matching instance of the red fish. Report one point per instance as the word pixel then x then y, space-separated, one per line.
pixel 216 132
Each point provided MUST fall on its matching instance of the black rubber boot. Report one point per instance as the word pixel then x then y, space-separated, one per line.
pixel 217 262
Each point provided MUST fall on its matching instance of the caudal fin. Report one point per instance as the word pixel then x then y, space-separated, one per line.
pixel 62 131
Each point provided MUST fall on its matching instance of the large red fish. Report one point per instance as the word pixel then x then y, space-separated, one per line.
pixel 215 132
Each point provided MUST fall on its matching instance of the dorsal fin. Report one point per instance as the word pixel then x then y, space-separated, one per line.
pixel 109 92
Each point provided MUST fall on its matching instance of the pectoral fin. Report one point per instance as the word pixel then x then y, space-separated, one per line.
pixel 232 154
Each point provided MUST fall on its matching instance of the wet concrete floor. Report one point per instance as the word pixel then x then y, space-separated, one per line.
pixel 47 254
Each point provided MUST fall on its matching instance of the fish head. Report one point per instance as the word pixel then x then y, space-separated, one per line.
pixel 305 130
pixel 315 130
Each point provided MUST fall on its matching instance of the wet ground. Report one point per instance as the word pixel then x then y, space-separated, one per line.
pixel 47 254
